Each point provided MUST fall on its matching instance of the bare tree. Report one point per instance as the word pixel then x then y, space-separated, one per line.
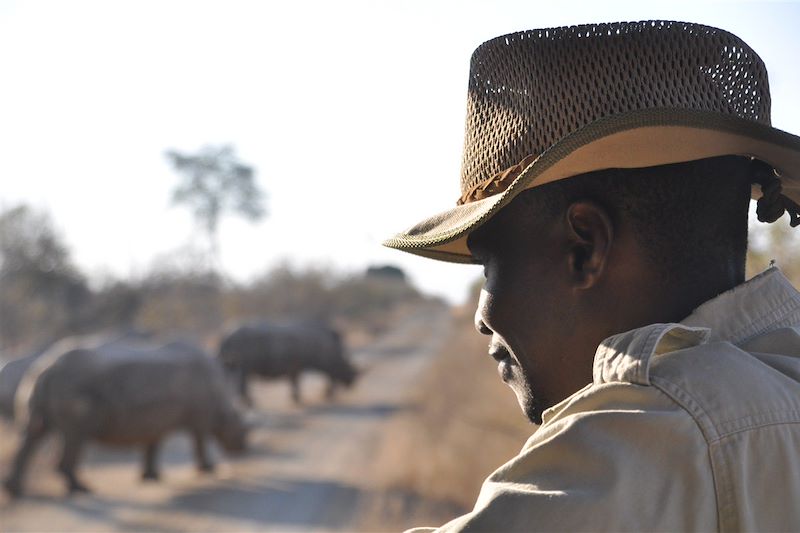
pixel 215 182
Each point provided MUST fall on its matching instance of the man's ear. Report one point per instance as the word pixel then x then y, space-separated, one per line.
pixel 591 234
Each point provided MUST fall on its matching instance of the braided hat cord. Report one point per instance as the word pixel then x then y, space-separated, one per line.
pixel 773 203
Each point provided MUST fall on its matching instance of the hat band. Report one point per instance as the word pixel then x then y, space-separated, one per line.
pixel 497 183
pixel 771 205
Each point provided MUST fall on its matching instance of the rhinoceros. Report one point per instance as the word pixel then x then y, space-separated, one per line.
pixel 125 396
pixel 286 350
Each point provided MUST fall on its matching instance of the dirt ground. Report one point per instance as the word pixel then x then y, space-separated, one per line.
pixel 308 469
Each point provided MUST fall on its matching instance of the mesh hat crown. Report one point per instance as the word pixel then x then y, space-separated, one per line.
pixel 528 90
pixel 549 104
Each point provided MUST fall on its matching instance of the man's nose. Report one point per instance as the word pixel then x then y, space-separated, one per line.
pixel 482 328
pixel 480 325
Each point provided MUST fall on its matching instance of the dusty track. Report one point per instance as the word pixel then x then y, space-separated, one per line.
pixel 308 469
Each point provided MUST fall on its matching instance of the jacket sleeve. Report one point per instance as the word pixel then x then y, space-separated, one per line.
pixel 616 457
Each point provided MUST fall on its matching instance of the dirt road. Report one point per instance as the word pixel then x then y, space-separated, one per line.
pixel 308 469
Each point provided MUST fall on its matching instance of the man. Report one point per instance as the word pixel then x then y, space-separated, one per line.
pixel 605 185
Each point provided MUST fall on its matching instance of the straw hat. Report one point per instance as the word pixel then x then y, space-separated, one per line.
pixel 545 105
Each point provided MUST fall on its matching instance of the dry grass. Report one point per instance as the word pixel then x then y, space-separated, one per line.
pixel 465 425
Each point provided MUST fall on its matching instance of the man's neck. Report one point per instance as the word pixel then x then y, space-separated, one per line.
pixel 674 302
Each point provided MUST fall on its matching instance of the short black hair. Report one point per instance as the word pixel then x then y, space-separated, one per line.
pixel 689 218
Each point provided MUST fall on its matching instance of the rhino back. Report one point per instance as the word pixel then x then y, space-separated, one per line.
pixel 125 394
pixel 19 377
pixel 260 349
pixel 279 349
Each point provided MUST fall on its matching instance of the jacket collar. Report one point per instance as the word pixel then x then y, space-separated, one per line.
pixel 764 303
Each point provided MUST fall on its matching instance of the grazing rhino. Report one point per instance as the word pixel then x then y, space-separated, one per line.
pixel 126 396
pixel 272 350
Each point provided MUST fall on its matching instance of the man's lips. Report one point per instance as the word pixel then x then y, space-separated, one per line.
pixel 504 361
pixel 499 352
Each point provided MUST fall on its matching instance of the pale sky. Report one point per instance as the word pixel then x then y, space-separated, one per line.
pixel 351 112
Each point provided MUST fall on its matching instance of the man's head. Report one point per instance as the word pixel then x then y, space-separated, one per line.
pixel 573 262
pixel 551 104
pixel 575 248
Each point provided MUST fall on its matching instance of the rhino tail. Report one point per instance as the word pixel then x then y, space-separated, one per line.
pixel 29 403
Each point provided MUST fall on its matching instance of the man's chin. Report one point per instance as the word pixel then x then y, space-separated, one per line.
pixel 533 411
pixel 531 408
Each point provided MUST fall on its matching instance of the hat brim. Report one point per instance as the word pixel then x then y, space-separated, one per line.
pixel 637 139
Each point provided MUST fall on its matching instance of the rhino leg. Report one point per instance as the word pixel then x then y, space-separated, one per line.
pixel 33 436
pixel 73 445
pixel 330 390
pixel 244 389
pixel 294 380
pixel 202 461
pixel 149 468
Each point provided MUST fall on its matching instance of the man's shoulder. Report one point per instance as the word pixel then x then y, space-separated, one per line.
pixel 728 388
pixel 724 387
pixel 745 399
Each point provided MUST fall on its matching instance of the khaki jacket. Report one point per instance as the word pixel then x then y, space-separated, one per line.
pixel 685 427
